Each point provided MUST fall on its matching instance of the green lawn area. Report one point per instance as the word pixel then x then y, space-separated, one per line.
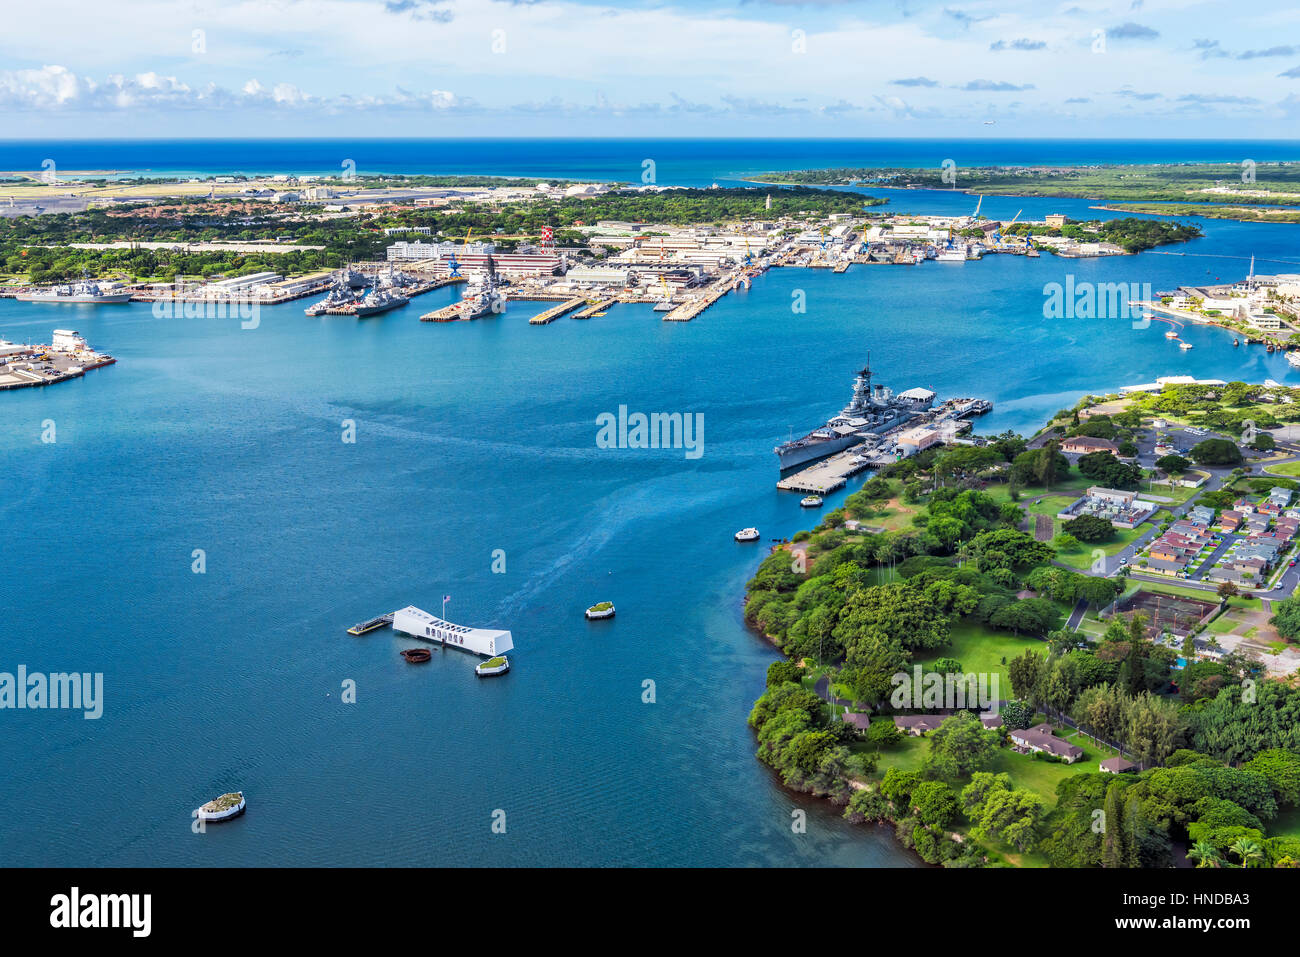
pixel 1080 557
pixel 1074 483
pixel 1178 494
pixel 1223 624
pixel 1291 469
pixel 1038 776
pixel 982 651
pixel 1042 776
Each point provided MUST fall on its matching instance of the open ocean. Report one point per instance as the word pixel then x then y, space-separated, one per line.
pixel 474 437
pixel 677 162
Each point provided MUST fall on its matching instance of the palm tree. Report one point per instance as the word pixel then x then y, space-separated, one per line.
pixel 1249 851
pixel 1205 854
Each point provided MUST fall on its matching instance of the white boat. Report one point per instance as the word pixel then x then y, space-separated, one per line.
pixel 1294 359
pixel 811 501
pixel 1171 334
pixel 747 535
pixel 604 609
pixel 493 666
pixel 224 808
pixel 1184 345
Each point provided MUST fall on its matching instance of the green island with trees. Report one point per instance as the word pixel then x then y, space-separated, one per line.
pixel 934 564
pixel 1258 184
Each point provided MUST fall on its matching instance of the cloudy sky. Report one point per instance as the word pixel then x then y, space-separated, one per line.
pixel 1137 68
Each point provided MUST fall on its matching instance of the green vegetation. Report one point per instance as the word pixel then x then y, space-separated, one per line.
pixel 1274 183
pixel 37 246
pixel 1277 214
pixel 224 803
pixel 963 589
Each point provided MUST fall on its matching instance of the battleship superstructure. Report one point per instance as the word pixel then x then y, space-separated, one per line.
pixel 873 410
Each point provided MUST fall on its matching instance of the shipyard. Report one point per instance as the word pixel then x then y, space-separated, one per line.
pixel 65 357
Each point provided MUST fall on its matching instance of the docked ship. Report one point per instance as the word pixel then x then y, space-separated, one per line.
pixel 873 411
pixel 86 292
pixel 486 298
pixel 378 301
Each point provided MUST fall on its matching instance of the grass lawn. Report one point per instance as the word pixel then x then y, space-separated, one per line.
pixel 1223 624
pixel 982 651
pixel 1080 557
pixel 1291 469
pixel 892 517
pixel 1075 484
pixel 1041 776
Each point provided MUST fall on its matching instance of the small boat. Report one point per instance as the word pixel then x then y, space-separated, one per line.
pixel 417 656
pixel 1184 345
pixel 811 501
pixel 747 535
pixel 665 306
pixel 1269 347
pixel 493 666
pixel 365 627
pixel 604 609
pixel 1236 342
pixel 223 808
pixel 1171 334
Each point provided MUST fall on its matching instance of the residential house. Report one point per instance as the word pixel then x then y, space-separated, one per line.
pixel 1040 738
pixel 1117 765
pixel 1083 444
pixel 918 724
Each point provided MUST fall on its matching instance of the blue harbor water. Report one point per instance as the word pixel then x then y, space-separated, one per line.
pixel 472 438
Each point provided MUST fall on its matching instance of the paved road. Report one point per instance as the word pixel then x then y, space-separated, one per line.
pixel 1076 616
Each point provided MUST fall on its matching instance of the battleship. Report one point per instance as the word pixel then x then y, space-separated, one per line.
pixel 378 301
pixel 86 292
pixel 872 411
pixel 341 296
pixel 486 298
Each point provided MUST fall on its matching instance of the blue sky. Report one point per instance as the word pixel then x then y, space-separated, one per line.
pixel 1136 68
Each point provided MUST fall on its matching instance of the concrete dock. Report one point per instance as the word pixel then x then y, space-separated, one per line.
pixel 829 474
pixel 555 312
pixel 600 305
